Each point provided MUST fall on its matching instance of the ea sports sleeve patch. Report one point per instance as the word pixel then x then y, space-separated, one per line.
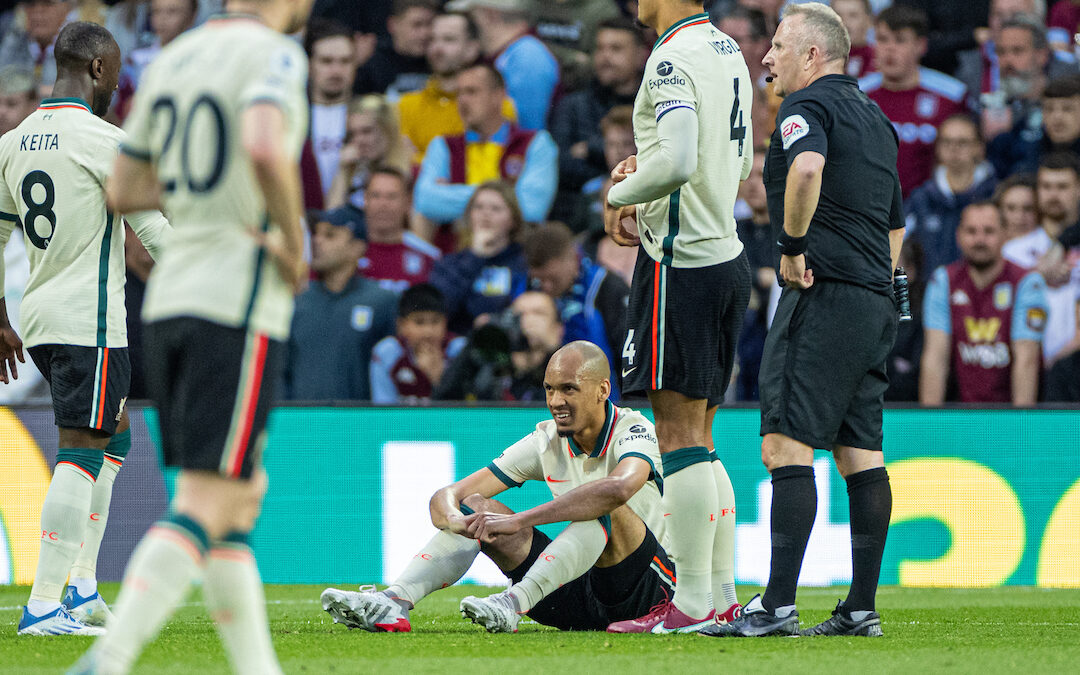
pixel 802 129
pixel 792 129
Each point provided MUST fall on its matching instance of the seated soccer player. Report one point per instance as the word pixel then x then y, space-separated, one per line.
pixel 608 565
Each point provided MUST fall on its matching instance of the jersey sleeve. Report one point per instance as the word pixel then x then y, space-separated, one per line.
pixel 1030 309
pixel 669 83
pixel 136 139
pixel 152 229
pixel 639 441
pixel 802 128
pixel 520 462
pixel 936 303
pixel 9 218
pixel 280 80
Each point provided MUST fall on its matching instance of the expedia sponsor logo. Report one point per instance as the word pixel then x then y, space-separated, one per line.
pixel 638 437
pixel 664 68
pixel 638 429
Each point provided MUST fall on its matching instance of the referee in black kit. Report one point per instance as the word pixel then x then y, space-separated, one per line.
pixel 835 206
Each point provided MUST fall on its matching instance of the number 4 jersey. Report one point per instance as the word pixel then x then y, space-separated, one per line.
pixel 53 168
pixel 695 66
pixel 185 120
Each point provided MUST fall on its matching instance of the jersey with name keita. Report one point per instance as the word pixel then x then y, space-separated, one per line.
pixel 695 66
pixel 186 120
pixel 546 456
pixel 53 168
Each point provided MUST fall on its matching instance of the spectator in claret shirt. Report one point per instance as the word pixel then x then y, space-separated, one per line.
pixel 529 69
pixel 984 320
pixel 407 366
pixel 962 177
pixel 1064 23
pixel 395 257
pixel 916 100
pixel 398 64
pixel 857 17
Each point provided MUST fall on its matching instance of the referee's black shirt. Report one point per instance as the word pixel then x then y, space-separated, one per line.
pixel 860 190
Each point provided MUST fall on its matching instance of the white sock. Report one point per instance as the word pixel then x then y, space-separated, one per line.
pixel 566 558
pixel 63 522
pixel 165 564
pixel 234 597
pixel 690 497
pixel 84 571
pixel 723 553
pixel 440 563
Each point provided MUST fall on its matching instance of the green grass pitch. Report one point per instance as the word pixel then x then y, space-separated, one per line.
pixel 1003 630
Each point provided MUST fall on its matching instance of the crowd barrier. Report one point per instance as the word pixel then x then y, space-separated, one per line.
pixel 981 497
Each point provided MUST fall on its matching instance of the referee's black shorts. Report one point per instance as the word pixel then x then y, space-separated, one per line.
pixel 822 378
pixel 683 326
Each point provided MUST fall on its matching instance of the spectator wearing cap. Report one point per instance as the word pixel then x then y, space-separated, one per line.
pixel 916 100
pixel 398 64
pixel 591 301
pixel 396 258
pixel 32 45
pixel 962 177
pixel 492 148
pixel 1056 126
pixel 407 366
pixel 530 70
pixel 338 319
pixel 18 96
pixel 618 62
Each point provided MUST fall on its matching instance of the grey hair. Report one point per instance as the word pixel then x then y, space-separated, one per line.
pixel 826 30
pixel 1032 25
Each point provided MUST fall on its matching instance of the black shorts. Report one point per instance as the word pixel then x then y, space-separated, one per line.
pixel 603 595
pixel 822 378
pixel 213 386
pixel 683 327
pixel 89 384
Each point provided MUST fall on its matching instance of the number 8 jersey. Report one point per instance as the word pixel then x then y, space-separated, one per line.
pixel 52 182
pixel 185 120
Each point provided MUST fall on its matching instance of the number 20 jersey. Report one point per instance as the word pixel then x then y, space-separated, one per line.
pixel 185 120
pixel 695 66
pixel 53 168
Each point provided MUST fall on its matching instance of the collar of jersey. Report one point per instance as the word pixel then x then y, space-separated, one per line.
pixel 603 440
pixel 65 103
pixel 677 25
pixel 500 137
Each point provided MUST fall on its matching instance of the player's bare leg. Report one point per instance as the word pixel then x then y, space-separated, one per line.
pixel 64 518
pixel 690 496
pixel 82 600
pixel 870 504
pixel 723 553
pixel 204 538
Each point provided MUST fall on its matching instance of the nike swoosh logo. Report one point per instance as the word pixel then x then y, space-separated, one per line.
pixel 627 372
pixel 555 480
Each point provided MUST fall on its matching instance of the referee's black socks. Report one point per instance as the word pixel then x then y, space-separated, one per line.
pixel 870 501
pixel 794 505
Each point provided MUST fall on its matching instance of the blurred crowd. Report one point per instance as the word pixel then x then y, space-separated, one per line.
pixel 459 153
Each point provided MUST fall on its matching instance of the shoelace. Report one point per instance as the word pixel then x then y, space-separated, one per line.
pixel 658 609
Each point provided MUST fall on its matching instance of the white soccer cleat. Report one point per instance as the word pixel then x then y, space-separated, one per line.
pixel 496 612
pixel 367 609
pixel 90 610
pixel 56 622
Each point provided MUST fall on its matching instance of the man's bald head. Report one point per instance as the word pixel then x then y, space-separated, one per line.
pixel 583 358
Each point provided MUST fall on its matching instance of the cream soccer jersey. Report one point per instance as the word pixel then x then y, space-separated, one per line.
pixel 545 456
pixel 53 168
pixel 185 120
pixel 695 66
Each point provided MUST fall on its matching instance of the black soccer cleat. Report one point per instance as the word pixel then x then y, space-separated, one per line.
pixel 838 624
pixel 755 621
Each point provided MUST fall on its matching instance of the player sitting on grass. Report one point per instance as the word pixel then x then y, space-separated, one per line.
pixel 600 463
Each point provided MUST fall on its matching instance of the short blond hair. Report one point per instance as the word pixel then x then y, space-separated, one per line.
pixel 826 30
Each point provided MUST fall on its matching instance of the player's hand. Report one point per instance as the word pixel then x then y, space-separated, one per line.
pixel 11 348
pixel 460 524
pixel 794 273
pixel 290 264
pixel 487 526
pixel 627 166
pixel 618 222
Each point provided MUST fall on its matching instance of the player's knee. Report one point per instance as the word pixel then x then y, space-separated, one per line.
pixel 249 503
pixel 476 502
